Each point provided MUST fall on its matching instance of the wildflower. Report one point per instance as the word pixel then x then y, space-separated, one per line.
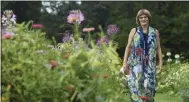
pixel 53 63
pixel 88 29
pixel 177 61
pixel 75 16
pixel 103 40
pixel 177 56
pixel 8 17
pixel 7 36
pixel 105 76
pixel 36 26
pixel 169 60
pixel 67 36
pixel 168 53
pixel 69 88
pixel 112 29
pixel 8 22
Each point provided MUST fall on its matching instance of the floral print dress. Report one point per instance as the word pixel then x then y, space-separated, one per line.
pixel 142 66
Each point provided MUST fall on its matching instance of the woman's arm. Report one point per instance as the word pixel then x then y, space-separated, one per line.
pixel 128 47
pixel 159 53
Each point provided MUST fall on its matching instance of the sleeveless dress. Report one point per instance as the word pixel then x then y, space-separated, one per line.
pixel 142 66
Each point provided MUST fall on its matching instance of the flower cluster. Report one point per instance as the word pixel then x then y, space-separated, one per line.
pixel 75 16
pixel 112 29
pixel 8 22
pixel 102 40
pixel 8 17
pixel 67 36
pixel 177 58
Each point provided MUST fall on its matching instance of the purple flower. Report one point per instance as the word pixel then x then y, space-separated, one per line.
pixel 75 16
pixel 8 17
pixel 102 40
pixel 66 37
pixel 8 22
pixel 112 29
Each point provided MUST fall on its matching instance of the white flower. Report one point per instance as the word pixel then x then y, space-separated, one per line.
pixel 168 53
pixel 177 56
pixel 177 61
pixel 169 60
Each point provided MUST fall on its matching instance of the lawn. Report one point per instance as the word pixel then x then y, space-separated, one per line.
pixel 165 98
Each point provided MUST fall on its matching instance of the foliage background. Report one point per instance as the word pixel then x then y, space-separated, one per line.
pixel 169 17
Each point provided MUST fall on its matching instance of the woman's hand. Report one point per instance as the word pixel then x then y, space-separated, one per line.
pixel 159 69
pixel 124 69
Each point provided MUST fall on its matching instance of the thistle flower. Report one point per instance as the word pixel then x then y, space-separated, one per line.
pixel 168 53
pixel 75 16
pixel 112 29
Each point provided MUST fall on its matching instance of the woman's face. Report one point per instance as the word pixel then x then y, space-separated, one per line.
pixel 143 19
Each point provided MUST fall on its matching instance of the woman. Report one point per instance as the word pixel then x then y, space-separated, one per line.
pixel 140 59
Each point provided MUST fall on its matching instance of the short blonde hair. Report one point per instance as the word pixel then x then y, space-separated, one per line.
pixel 143 12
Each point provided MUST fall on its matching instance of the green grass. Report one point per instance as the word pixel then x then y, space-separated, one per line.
pixel 166 98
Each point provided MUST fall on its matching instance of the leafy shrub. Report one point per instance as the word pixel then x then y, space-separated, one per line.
pixel 33 70
pixel 174 78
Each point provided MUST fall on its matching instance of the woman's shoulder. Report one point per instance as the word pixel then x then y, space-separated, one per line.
pixel 133 30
